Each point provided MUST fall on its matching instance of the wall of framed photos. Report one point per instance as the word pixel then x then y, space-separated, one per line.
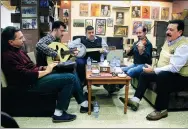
pixel 120 21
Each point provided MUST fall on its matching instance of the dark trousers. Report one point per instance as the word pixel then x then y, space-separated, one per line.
pixel 80 69
pixel 167 82
pixel 65 84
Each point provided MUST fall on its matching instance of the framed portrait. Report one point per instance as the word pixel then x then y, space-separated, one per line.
pixel 136 11
pixel 135 25
pixel 110 22
pixel 165 13
pixel 29 2
pixel 78 22
pixel 119 18
pixel 155 13
pixel 100 27
pixel 105 10
pixel 65 12
pixel 88 22
pixel 29 11
pixel 147 25
pixel 29 23
pixel 84 9
pixel 146 12
pixel 121 31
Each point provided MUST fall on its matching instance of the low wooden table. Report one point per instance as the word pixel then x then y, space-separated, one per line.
pixel 107 80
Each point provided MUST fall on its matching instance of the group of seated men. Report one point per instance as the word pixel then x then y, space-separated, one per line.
pixel 172 67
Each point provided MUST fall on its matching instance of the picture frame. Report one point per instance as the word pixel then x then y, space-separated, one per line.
pixel 29 11
pixel 78 22
pixel 29 2
pixel 110 22
pixel 84 7
pixel 29 23
pixel 119 18
pixel 136 12
pixel 88 22
pixel 105 10
pixel 121 31
pixel 136 24
pixel 165 13
pixel 100 27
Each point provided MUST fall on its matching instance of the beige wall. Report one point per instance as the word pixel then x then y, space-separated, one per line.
pixel 127 16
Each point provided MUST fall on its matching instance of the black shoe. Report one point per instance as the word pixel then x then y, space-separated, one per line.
pixel 85 109
pixel 65 117
pixel 122 100
pixel 86 96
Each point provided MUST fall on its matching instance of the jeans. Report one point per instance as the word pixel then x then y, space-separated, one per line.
pixel 133 70
pixel 65 84
pixel 81 63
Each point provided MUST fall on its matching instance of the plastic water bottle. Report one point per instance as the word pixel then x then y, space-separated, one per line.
pixel 102 58
pixel 118 62
pixel 88 63
pixel 113 64
pixel 96 109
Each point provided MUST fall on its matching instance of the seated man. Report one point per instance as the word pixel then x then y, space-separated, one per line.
pixel 90 41
pixel 141 52
pixel 17 67
pixel 171 73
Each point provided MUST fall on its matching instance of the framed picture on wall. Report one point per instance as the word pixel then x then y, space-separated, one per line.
pixel 105 10
pixel 121 31
pixel 119 18
pixel 146 12
pixel 100 27
pixel 95 10
pixel 110 22
pixel 135 25
pixel 136 11
pixel 147 25
pixel 155 13
pixel 29 11
pixel 84 9
pixel 27 2
pixel 165 13
pixel 29 23
pixel 78 22
pixel 88 22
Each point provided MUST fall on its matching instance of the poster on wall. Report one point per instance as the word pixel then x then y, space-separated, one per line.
pixel 135 25
pixel 136 12
pixel 65 12
pixel 155 13
pixel 110 22
pixel 31 2
pixel 121 31
pixel 100 27
pixel 29 23
pixel 105 10
pixel 146 12
pixel 78 22
pixel 165 13
pixel 119 18
pixel 29 11
pixel 88 22
pixel 95 10
pixel 147 25
pixel 84 9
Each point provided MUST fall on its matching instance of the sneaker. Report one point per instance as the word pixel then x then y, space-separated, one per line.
pixel 85 109
pixel 134 105
pixel 157 115
pixel 86 96
pixel 65 117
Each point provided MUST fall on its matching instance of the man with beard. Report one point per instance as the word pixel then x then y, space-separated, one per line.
pixel 142 53
pixel 170 75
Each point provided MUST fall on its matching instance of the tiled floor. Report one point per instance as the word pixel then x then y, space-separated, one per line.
pixel 111 115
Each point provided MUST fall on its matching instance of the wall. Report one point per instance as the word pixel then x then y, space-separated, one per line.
pixel 179 6
pixel 127 16
pixel 5 17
